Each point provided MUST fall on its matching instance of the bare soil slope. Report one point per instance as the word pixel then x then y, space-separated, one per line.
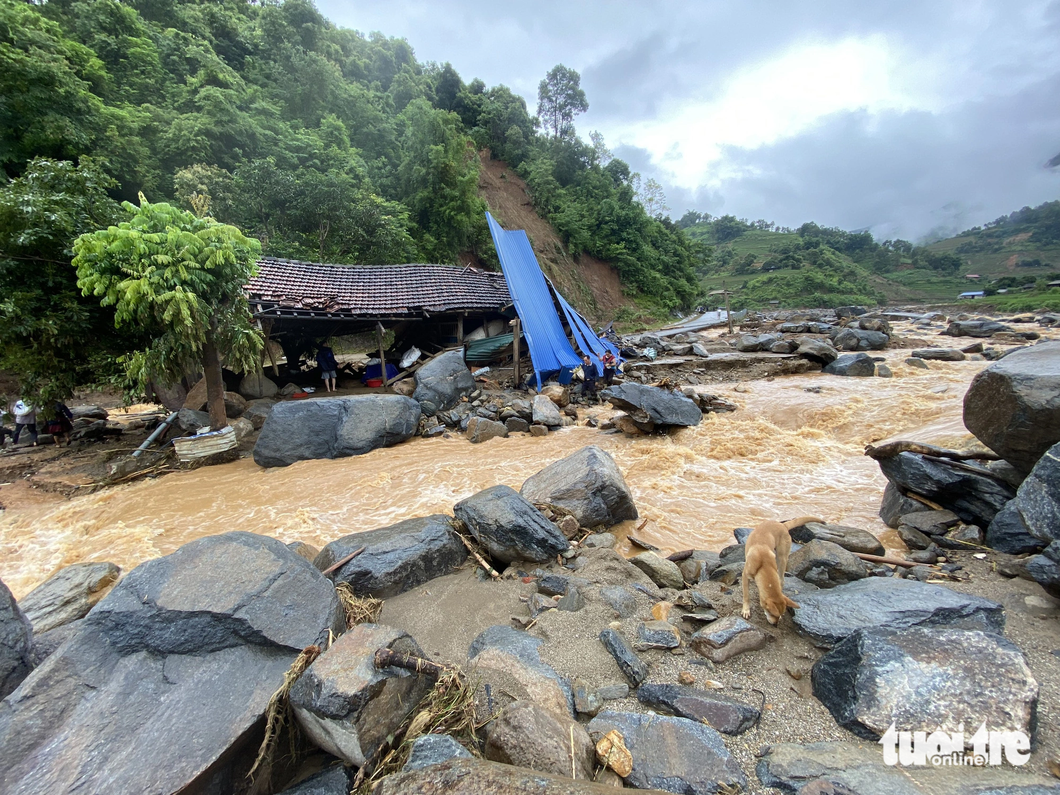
pixel 590 284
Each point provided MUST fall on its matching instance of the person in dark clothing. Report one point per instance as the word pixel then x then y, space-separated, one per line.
pixel 610 367
pixel 328 367
pixel 61 425
pixel 590 374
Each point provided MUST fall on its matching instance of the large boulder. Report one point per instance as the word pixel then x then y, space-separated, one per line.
pixel 975 328
pixel 442 382
pixel 856 339
pixel 828 616
pixel 163 684
pixel 974 493
pixel 1013 406
pixel 481 429
pixel 545 412
pixel 334 428
pixel 1031 521
pixel 1044 569
pixel 476 776
pixel 939 354
pixel 588 484
pixel 859 365
pixel 650 407
pixel 825 564
pixel 507 663
pixel 895 504
pixel 673 754
pixel 816 351
pixel 526 735
pixel 16 643
pixel 256 386
pixel 396 558
pixel 346 705
pixel 851 538
pixel 68 594
pixel 510 527
pixel 926 678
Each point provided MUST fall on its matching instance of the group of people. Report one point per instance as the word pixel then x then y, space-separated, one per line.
pixel 59 426
pixel 591 373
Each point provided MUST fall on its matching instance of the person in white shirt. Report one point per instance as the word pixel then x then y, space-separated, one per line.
pixel 25 417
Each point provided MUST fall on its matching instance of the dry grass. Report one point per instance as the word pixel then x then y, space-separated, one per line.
pixel 359 609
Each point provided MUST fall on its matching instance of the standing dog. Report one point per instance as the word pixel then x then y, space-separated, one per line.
pixel 766 560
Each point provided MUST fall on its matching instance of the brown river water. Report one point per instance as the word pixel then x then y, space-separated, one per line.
pixel 786 452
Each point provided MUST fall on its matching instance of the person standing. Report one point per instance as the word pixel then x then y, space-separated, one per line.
pixel 25 417
pixel 61 425
pixel 590 374
pixel 610 367
pixel 328 367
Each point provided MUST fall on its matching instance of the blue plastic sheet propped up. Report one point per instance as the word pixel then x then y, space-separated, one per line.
pixel 550 350
pixel 587 340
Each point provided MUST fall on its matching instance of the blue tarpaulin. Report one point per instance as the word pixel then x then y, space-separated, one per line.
pixel 550 350
pixel 587 340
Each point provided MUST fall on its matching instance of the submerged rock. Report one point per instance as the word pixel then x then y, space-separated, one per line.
pixel 395 558
pixel 588 484
pixel 650 407
pixel 68 594
pixel 346 705
pixel 852 365
pixel 1013 406
pixel 828 616
pixel 510 527
pixel 442 382
pixel 938 678
pixel 334 428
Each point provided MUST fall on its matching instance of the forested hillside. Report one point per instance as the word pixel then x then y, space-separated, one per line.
pixel 323 143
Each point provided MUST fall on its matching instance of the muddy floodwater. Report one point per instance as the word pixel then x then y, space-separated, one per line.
pixel 786 452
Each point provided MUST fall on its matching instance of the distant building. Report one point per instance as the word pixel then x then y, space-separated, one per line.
pixel 973 276
pixel 1053 284
pixel 972 294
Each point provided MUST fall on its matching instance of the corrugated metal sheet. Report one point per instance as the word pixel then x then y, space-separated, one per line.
pixel 588 341
pixel 550 350
pixel 377 290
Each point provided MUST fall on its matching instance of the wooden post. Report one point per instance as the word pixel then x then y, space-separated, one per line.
pixel 382 357
pixel 517 330
pixel 460 329
pixel 728 314
pixel 266 326
pixel 486 325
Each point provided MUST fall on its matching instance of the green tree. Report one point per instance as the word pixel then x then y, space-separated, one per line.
pixel 559 99
pixel 180 277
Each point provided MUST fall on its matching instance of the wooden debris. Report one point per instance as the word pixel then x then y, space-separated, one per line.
pixel 387 658
pixel 481 560
pixel 892 449
pixel 343 562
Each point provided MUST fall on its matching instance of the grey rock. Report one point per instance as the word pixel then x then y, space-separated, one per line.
pixel 346 705
pixel 258 411
pixel 895 505
pixel 628 662
pixel 973 493
pixel 587 701
pixel 334 428
pixel 663 572
pixel 433 749
pixel 586 483
pixel 257 385
pixel 965 536
pixel 67 595
pixel 1031 521
pixel 919 364
pixel 856 339
pixel 525 735
pixel 476 777
pixel 650 407
pixel 89 413
pixel 335 780
pixel 843 312
pixel 883 371
pixel 657 635
pixel 826 565
pixel 304 550
pixel 508 661
pixel 1013 406
pixel 190 420
pixel 784 346
pixel 830 615
pixel 748 343
pixel 931 523
pixel 193 644
pixel 817 351
pixel 395 558
pixel 517 425
pixel 913 538
pixel 727 637
pixel 859 768
pixel 612 692
pixel 713 709
pixel 480 429
pixel 546 412
pixel 939 354
pixel 539 603
pixel 442 382
pixel 553 585
pixel 673 754
pixel 571 602
pixel 1044 569
pixel 975 328
pixel 510 527
pixel 16 643
pixel 853 365
pixel 235 405
pixel 600 541
pixel 853 539
pixel 926 677
pixel 620 599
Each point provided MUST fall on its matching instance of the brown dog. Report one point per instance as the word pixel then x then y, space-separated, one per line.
pixel 766 560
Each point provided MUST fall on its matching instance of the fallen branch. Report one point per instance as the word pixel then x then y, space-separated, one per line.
pixel 642 544
pixel 343 562
pixel 924 501
pixel 482 561
pixel 387 658
pixel 892 449
pixel 889 561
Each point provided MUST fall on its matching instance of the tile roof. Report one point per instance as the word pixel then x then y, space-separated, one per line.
pixel 376 290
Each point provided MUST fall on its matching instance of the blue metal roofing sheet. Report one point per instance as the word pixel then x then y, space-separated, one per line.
pixel 550 350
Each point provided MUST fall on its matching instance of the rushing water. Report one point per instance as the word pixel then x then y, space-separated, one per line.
pixel 786 452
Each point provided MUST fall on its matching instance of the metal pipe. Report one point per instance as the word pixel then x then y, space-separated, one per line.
pixel 155 434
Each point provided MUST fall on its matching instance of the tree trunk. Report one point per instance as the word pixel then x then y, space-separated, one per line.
pixel 215 385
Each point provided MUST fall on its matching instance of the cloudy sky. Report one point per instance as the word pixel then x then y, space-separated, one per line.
pixel 905 117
